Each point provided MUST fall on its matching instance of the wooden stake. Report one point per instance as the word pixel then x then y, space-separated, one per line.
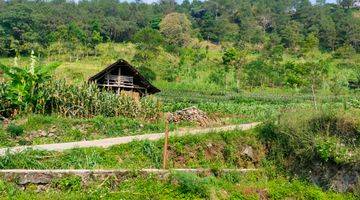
pixel 166 143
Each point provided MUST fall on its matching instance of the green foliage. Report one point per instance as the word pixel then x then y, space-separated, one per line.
pixel 147 42
pixel 153 153
pixel 25 25
pixel 345 52
pixel 171 73
pixel 190 183
pixel 15 130
pixel 71 183
pixel 148 73
pixel 176 28
pixel 294 75
pixel 353 102
pixel 36 93
pixel 217 77
pixel 148 39
pixel 24 90
pixel 330 148
pixel 185 152
pixel 316 138
pixel 151 187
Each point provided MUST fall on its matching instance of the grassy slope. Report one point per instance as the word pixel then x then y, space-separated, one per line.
pixel 221 150
pixel 217 150
pixel 258 104
pixel 40 129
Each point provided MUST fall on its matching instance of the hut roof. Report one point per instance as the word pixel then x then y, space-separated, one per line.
pixel 126 66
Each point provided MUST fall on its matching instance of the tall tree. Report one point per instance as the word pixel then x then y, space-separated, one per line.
pixel 176 28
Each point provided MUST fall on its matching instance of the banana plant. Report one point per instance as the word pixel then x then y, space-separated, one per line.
pixel 24 85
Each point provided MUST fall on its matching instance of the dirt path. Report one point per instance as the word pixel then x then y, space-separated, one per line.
pixel 104 143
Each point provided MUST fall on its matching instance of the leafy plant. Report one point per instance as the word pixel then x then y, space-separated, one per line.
pixel 24 90
pixel 71 183
pixel 190 183
pixel 15 130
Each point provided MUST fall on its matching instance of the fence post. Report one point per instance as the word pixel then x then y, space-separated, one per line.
pixel 166 142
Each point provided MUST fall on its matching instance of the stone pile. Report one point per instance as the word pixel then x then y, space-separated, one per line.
pixel 191 114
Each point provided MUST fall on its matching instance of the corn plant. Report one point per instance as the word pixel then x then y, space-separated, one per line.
pixel 32 90
pixel 87 100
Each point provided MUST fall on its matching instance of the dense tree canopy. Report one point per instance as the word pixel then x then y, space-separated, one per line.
pixel 54 26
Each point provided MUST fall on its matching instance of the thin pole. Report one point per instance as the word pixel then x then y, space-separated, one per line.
pixel 166 143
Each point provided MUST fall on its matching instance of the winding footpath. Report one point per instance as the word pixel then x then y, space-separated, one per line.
pixel 107 142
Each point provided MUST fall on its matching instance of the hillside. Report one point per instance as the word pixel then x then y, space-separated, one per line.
pixel 291 67
pixel 263 149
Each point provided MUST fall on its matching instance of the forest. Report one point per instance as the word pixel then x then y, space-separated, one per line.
pixel 292 67
pixel 59 25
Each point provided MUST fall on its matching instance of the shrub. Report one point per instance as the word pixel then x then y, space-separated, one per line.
pixel 152 152
pixel 217 77
pixel 71 183
pixel 305 140
pixel 346 52
pixel 15 130
pixel 148 73
pixel 170 74
pixel 190 183
pixel 5 103
pixel 354 102
pixel 330 148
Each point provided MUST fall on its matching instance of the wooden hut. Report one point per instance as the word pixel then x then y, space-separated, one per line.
pixel 122 77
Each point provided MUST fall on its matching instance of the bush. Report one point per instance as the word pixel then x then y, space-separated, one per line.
pixel 217 77
pixel 190 183
pixel 5 103
pixel 148 73
pixel 71 183
pixel 170 74
pixel 15 130
pixel 346 52
pixel 305 140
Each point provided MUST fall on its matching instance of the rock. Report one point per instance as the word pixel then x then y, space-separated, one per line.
pixel 335 177
pixel 52 130
pixel 42 133
pixel 35 179
pixel 248 151
pixel 263 194
pixel 5 122
pixel 42 188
